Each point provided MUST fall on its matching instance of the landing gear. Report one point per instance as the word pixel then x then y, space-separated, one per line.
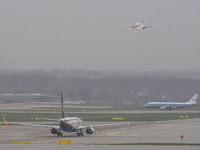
pixel 79 132
pixel 60 134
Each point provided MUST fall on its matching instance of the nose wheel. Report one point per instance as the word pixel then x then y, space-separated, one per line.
pixel 60 134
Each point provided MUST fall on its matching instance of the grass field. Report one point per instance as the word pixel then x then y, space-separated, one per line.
pixel 25 112
pixel 100 117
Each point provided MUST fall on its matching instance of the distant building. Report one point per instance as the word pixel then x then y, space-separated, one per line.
pixel 165 97
pixel 127 102
pixel 143 93
pixel 34 97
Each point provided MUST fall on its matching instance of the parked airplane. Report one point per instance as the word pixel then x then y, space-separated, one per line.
pixel 67 124
pixel 140 25
pixel 173 105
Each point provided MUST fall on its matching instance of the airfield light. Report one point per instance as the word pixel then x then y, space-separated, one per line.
pixel 181 138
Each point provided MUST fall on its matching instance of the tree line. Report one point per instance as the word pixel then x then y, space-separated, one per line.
pixel 107 89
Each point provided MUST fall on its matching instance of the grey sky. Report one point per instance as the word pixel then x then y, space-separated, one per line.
pixel 88 34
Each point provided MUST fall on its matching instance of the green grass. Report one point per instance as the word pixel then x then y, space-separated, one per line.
pixel 24 116
pixel 56 108
pixel 27 111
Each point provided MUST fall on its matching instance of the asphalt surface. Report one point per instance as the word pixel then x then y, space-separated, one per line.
pixel 94 147
pixel 136 132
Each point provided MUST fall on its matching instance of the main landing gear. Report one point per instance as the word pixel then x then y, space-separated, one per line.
pixel 79 132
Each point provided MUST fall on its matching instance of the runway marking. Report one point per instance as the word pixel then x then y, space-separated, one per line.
pixel 113 133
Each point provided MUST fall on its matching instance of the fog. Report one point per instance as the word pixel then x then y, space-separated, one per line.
pixel 89 34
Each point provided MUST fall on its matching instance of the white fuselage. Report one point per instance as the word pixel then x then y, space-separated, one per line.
pixel 139 26
pixel 167 105
pixel 70 124
pixel 172 105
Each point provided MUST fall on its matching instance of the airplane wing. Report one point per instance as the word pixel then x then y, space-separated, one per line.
pixel 53 126
pixel 30 124
pixel 129 25
pixel 66 119
pixel 147 26
pixel 101 125
pixel 48 119
pixel 167 106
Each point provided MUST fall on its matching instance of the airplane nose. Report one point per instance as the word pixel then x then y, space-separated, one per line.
pixel 145 105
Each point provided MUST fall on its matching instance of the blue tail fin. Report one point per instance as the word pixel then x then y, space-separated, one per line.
pixel 62 106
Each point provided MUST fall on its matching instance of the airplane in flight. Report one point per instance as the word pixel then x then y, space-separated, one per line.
pixel 140 25
pixel 67 124
pixel 173 105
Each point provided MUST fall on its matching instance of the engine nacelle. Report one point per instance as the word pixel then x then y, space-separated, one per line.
pixel 54 131
pixel 90 130
pixel 163 108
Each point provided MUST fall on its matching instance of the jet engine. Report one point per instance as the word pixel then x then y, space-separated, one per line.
pixel 163 108
pixel 55 131
pixel 90 130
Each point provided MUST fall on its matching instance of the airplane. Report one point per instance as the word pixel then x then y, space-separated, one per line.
pixel 173 105
pixel 140 25
pixel 67 124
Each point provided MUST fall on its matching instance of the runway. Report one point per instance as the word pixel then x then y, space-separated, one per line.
pixel 135 132
pixel 94 147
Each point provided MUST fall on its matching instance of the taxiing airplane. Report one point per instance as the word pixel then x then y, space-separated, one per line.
pixel 173 105
pixel 67 124
pixel 140 25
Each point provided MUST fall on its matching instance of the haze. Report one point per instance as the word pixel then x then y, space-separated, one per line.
pixel 47 34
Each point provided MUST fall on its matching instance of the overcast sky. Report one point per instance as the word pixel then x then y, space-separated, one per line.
pixel 88 34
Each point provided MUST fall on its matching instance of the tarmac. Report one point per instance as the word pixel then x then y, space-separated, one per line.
pixel 94 147
pixel 135 132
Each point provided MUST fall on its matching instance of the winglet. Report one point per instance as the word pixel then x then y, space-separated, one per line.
pixel 62 106
pixel 7 123
pixel 4 118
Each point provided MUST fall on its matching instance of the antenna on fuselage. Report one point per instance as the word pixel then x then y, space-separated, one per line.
pixel 62 106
